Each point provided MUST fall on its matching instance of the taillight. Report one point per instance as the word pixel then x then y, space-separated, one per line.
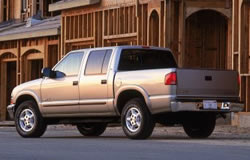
pixel 170 79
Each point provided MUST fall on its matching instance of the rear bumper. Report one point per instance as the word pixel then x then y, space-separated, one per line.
pixel 198 106
pixel 10 109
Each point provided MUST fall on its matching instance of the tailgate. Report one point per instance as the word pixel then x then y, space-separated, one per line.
pixel 200 83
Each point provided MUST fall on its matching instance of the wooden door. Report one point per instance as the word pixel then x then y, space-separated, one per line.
pixel 205 40
pixel 11 81
pixel 35 69
pixel 52 55
pixel 3 86
pixel 154 29
pixel 8 82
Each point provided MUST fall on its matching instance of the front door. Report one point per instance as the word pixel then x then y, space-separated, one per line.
pixel 60 95
pixel 205 40
pixel 94 83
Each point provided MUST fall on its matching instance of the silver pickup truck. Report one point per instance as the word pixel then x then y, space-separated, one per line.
pixel 136 86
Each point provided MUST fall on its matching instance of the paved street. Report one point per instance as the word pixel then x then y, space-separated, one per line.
pixel 65 143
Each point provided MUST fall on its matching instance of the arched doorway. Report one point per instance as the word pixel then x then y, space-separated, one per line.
pixel 154 29
pixel 205 40
pixel 32 64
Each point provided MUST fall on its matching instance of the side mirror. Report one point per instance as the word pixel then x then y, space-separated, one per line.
pixel 59 74
pixel 47 72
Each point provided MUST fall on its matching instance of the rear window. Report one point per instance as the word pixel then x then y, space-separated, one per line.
pixel 139 59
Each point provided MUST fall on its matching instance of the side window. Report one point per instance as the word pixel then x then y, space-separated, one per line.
pixel 106 61
pixel 98 62
pixel 71 64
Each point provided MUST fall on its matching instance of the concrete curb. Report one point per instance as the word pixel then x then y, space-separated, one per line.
pixel 7 124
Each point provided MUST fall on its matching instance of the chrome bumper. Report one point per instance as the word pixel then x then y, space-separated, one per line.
pixel 198 106
pixel 10 109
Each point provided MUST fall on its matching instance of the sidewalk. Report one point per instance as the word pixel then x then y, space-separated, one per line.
pixel 7 124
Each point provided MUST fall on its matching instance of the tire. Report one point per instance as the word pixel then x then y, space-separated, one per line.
pixel 92 129
pixel 28 120
pixel 199 125
pixel 137 122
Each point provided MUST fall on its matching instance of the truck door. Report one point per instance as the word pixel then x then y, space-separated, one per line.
pixel 60 95
pixel 94 83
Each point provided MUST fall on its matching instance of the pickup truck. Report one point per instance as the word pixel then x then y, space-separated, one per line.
pixel 136 86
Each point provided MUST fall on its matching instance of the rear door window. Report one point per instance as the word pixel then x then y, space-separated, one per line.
pixel 106 61
pixel 98 62
pixel 140 59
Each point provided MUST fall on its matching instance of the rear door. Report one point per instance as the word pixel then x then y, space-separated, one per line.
pixel 94 83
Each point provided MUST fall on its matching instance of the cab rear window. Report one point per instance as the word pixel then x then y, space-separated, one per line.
pixel 140 59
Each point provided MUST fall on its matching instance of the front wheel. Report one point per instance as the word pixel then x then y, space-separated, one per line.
pixel 199 125
pixel 92 129
pixel 137 122
pixel 28 120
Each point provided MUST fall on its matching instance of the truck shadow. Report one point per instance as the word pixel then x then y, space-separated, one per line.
pixel 164 137
pixel 200 139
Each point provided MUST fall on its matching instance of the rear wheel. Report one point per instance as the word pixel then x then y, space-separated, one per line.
pixel 28 120
pixel 92 129
pixel 137 122
pixel 199 125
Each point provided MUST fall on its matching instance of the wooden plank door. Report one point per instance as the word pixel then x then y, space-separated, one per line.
pixel 11 81
pixel 3 98
pixel 35 67
pixel 205 40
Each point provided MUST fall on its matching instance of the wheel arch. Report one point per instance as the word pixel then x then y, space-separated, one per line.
pixel 25 96
pixel 127 93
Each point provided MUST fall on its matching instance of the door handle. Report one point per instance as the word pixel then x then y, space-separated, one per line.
pixel 75 83
pixel 104 81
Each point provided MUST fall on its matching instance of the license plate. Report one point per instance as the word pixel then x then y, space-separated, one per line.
pixel 210 104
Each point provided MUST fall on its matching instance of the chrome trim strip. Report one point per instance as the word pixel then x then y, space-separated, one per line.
pixel 162 96
pixel 110 100
pixel 95 101
pixel 76 102
pixel 60 103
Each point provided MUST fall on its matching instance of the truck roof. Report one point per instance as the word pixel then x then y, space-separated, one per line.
pixel 123 47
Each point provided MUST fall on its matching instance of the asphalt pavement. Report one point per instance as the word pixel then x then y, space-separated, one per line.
pixel 65 143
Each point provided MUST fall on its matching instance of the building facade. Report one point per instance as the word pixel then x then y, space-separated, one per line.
pixel 201 33
pixel 29 40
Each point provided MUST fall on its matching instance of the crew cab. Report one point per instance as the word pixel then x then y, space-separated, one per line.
pixel 134 86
